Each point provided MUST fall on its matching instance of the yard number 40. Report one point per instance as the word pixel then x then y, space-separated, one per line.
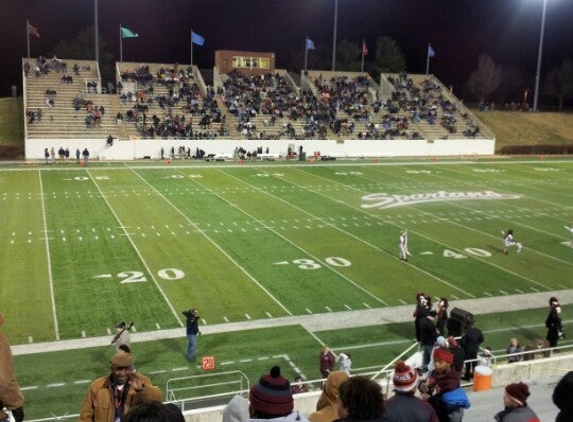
pixel 480 253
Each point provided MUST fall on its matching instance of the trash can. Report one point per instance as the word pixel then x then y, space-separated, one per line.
pixel 458 321
pixel 482 378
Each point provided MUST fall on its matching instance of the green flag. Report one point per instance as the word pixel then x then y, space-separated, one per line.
pixel 128 33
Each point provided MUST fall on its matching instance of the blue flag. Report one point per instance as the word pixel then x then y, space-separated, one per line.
pixel 309 44
pixel 431 52
pixel 197 39
pixel 128 33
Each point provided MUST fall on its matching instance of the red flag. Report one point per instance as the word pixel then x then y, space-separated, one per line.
pixel 32 30
pixel 364 49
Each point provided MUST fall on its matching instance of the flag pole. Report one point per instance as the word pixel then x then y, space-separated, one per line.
pixel 28 36
pixel 306 53
pixel 428 60
pixel 362 68
pixel 191 48
pixel 120 45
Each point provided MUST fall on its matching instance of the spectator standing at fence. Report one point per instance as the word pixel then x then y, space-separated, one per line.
pixel 470 342
pixel 404 406
pixel 121 336
pixel 515 405
pixel 563 398
pixel 327 404
pixel 86 156
pixel 326 361
pixel 11 399
pixel 442 316
pixel 428 335
pixel 192 320
pixel 110 397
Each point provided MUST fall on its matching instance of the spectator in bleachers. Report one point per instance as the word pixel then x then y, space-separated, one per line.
pixel 271 399
pixel 327 404
pixel 515 405
pixel 360 399
pixel 112 396
pixel 404 406
pixel 563 398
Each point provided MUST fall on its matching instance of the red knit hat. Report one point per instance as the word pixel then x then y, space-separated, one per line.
pixel 452 342
pixel 272 395
pixel 444 355
pixel 405 378
pixel 518 392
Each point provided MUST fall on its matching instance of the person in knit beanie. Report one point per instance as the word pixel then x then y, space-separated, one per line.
pixel 11 398
pixel 404 406
pixel 515 405
pixel 271 399
pixel 327 404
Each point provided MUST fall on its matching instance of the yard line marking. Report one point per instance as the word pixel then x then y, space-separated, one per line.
pixel 248 316
pixel 226 319
pixel 268 314
pixel 57 384
pixel 158 326
pixel 83 334
pixel 328 309
pixel 348 307
pixel 31 387
pixel 309 311
pixel 487 294
pixel 159 371
pixel 263 358
pixel 330 268
pixel 49 260
pixel 82 382
pixel 403 302
pixel 134 246
pixel 250 276
pixel 504 293
pixel 108 331
pixel 365 304
pixel 519 291
pixel 30 339
pixel 245 360
pixel 180 369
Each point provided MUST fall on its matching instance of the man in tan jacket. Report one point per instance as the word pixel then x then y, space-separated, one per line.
pixel 109 398
pixel 11 398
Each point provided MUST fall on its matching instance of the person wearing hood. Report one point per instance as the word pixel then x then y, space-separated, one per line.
pixel 327 404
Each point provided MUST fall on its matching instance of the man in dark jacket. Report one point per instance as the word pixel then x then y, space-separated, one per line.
pixel 563 398
pixel 428 335
pixel 471 340
pixel 192 318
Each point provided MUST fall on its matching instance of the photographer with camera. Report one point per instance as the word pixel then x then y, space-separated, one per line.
pixel 192 316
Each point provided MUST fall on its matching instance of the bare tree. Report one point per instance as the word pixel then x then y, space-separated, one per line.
pixel 559 83
pixel 485 79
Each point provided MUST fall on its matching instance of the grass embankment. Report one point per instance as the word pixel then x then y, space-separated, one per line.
pixel 517 128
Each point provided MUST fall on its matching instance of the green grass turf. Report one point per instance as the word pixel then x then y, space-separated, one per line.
pixel 61 379
pixel 85 248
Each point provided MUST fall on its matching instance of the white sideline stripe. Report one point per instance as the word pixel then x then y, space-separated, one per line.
pixel 143 261
pixel 49 260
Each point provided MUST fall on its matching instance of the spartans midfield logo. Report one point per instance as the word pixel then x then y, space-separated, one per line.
pixel 383 200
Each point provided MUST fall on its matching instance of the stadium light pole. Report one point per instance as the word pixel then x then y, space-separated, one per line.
pixel 334 35
pixel 96 31
pixel 539 54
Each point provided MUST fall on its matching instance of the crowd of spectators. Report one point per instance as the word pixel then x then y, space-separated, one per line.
pixel 178 109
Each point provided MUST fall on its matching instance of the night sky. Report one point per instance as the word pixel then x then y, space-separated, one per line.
pixel 459 30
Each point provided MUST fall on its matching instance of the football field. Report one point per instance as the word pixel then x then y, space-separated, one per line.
pixel 84 248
